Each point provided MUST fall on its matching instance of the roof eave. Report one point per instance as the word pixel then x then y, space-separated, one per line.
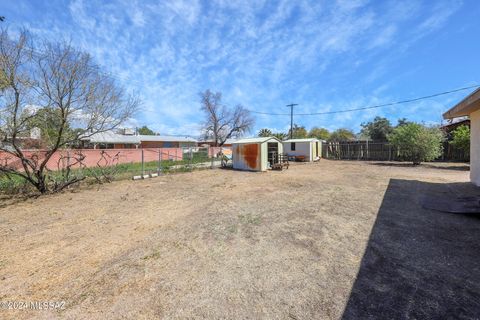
pixel 256 140
pixel 302 140
pixel 465 107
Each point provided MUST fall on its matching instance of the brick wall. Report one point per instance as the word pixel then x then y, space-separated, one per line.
pixel 92 156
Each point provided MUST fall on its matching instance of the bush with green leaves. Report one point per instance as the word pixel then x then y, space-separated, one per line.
pixel 417 143
pixel 461 138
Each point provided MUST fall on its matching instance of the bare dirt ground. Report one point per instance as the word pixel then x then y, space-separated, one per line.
pixel 326 240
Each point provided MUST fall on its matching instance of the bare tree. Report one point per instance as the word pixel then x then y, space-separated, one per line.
pixel 223 123
pixel 77 99
pixel 107 167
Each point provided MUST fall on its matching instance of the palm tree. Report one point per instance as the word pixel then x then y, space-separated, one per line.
pixel 264 133
pixel 279 135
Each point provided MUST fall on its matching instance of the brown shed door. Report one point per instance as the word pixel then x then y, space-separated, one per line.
pixel 250 153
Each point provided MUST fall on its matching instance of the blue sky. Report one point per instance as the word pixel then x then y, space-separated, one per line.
pixel 323 55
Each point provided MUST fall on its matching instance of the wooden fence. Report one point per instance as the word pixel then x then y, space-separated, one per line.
pixel 380 151
pixel 450 153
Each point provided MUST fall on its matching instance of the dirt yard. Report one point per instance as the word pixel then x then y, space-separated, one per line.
pixel 330 240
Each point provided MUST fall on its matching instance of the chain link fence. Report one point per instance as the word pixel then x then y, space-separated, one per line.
pixel 173 161
pixel 94 165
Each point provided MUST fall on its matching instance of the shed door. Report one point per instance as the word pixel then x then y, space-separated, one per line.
pixel 250 153
pixel 272 152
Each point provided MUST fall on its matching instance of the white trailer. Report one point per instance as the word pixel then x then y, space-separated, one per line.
pixel 303 149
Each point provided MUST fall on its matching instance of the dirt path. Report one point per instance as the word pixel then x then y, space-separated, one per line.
pixel 208 244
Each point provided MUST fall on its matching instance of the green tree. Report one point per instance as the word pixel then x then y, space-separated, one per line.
pixel 461 138
pixel 319 133
pixel 264 132
pixel 378 129
pixel 146 131
pixel 417 143
pixel 342 135
pixel 279 135
pixel 48 120
pixel 299 132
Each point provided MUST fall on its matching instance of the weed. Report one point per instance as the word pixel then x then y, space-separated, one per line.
pixel 249 218
pixel 155 255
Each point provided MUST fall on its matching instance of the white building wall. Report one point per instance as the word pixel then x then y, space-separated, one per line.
pixel 475 147
pixel 301 149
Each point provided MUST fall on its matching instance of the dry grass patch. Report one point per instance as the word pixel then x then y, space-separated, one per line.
pixel 210 244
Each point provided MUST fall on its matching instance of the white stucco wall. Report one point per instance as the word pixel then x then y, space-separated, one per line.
pixel 475 147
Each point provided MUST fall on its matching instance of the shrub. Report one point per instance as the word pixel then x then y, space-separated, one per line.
pixel 461 138
pixel 13 185
pixel 417 143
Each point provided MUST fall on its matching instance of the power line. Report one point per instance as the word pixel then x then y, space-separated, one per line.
pixel 371 107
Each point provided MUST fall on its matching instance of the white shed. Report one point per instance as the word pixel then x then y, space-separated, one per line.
pixel 256 154
pixel 470 106
pixel 308 149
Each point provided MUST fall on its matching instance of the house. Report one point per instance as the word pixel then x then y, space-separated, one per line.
pixel 166 142
pixel 256 154
pixel 453 124
pixel 210 143
pixel 30 139
pixel 113 140
pixel 303 149
pixel 470 106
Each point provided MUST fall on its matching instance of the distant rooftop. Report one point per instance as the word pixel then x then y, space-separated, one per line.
pixel 112 137
pixel 455 121
pixel 228 141
pixel 302 140
pixel 255 140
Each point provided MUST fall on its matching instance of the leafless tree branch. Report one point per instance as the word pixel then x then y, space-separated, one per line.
pixel 67 85
pixel 221 122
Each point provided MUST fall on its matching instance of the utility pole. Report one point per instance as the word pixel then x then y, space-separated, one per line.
pixel 291 117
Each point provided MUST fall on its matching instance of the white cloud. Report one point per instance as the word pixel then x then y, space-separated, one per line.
pixel 384 36
pixel 80 15
pixel 257 53
pixel 138 18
